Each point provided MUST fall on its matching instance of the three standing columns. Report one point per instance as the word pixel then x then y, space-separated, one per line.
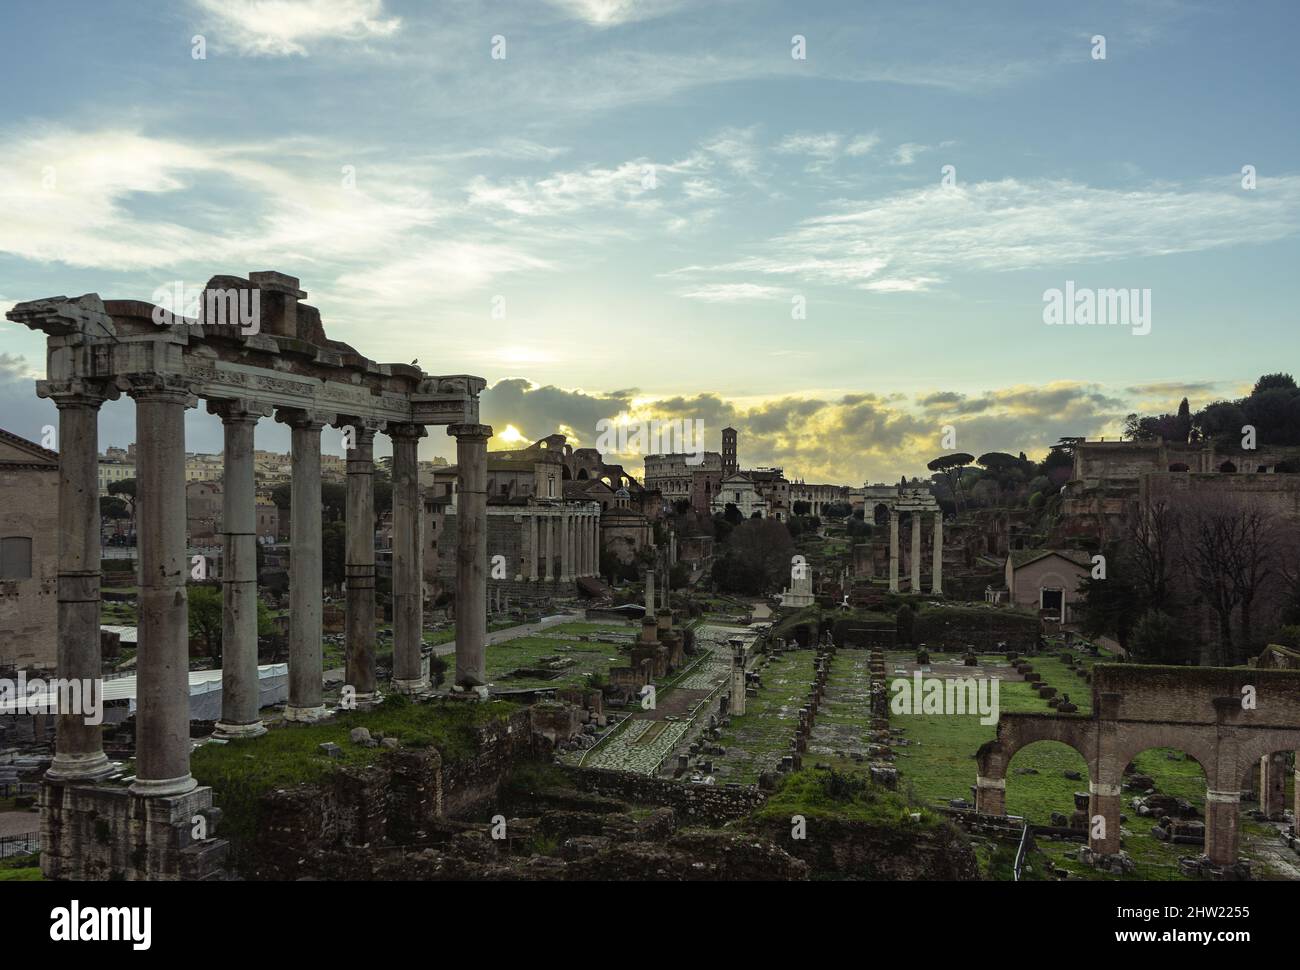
pixel 359 567
pixel 78 746
pixel 162 663
pixel 936 575
pixel 471 553
pixel 306 694
pixel 408 578
pixel 240 691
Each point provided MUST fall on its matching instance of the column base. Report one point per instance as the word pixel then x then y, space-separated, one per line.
pixel 305 715
pixel 79 767
pixel 479 690
pixel 417 686
pixel 231 732
pixel 368 700
pixel 157 787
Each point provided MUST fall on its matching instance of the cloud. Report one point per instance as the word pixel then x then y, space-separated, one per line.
pixel 734 293
pixel 280 28
pixel 611 13
pixel 916 239
pixel 845 439
pixel 905 154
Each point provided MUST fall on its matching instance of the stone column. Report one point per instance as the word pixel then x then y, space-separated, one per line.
pixel 162 734
pixel 471 554
pixel 240 692
pixel 1104 799
pixel 408 592
pixel 78 746
pixel 566 546
pixel 306 697
pixel 990 795
pixel 916 553
pixel 936 566
pixel 360 565
pixel 893 551
pixel 596 546
pixel 532 546
pixel 1272 784
pixel 1222 810
pixel 548 526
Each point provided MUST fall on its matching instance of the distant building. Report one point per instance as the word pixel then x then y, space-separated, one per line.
pixel 739 490
pixel 1047 580
pixel 29 553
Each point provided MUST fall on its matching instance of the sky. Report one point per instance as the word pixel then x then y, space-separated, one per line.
pixel 658 209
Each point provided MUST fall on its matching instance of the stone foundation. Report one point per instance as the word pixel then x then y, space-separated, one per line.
pixel 98 832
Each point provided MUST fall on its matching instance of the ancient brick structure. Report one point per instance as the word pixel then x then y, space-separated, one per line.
pixel 1229 719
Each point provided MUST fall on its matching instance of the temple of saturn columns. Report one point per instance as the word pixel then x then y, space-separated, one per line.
pixel 284 367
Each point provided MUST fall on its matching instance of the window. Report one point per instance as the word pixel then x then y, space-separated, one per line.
pixel 16 557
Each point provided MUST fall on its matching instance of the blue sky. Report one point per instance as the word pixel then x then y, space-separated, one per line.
pixel 647 186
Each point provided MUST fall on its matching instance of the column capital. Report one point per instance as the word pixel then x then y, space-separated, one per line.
pixel 470 432
pixel 362 427
pixel 239 410
pixel 78 392
pixel 406 431
pixel 303 418
pixel 174 388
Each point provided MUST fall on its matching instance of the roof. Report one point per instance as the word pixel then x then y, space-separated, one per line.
pixel 1023 557
pixel 40 457
pixel 126 688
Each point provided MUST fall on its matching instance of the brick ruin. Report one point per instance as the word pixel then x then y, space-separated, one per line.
pixel 1230 720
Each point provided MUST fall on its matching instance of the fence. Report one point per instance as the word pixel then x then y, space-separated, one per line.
pixel 24 844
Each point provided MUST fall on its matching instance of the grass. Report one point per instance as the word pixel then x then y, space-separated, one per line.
pixel 832 795
pixel 757 740
pixel 241 771
pixel 21 868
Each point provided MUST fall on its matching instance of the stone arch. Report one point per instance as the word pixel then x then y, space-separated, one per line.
pixel 880 514
pixel 1178 466
pixel 582 474
pixel 1192 743
pixel 1227 468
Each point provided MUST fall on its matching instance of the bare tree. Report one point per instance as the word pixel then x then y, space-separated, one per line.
pixel 1152 549
pixel 1229 551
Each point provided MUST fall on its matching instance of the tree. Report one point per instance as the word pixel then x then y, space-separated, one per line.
pixel 1209 538
pixel 950 467
pixel 732 514
pixel 112 508
pixel 205 618
pixel 1268 382
pixel 125 490
pixel 758 557
pixel 1158 638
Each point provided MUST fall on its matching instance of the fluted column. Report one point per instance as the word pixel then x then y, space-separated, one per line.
pixel 78 746
pixel 532 546
pixel 408 590
pixel 936 565
pixel 893 551
pixel 162 739
pixel 306 696
pixel 240 693
pixel 471 554
pixel 548 525
pixel 916 553
pixel 566 547
pixel 596 546
pixel 360 565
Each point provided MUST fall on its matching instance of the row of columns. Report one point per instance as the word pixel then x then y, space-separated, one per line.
pixel 163 715
pixel 936 568
pixel 573 536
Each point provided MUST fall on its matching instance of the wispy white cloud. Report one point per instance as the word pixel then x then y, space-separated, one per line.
pixel 611 13
pixel 916 239
pixel 282 28
pixel 734 293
